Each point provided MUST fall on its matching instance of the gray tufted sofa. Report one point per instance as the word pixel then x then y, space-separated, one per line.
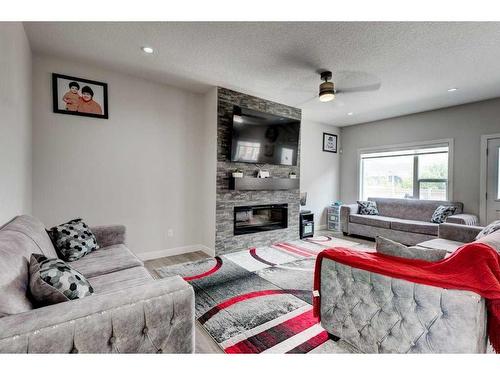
pixel 129 312
pixel 404 220
pixel 373 313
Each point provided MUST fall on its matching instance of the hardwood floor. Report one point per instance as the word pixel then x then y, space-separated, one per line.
pixel 204 343
pixel 153 264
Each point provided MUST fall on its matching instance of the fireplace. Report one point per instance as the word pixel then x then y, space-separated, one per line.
pixel 253 219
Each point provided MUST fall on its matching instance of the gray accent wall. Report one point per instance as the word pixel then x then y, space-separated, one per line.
pixel 465 124
pixel 227 199
pixel 15 122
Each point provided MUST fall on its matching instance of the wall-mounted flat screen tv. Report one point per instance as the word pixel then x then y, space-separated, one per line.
pixel 262 138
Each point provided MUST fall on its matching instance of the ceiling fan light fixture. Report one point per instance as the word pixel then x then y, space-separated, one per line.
pixel 326 91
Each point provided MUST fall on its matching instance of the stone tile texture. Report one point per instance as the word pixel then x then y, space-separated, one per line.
pixel 227 199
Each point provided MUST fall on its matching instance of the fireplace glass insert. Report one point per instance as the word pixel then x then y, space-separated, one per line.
pixel 253 219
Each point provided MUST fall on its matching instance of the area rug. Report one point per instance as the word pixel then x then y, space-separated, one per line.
pixel 259 300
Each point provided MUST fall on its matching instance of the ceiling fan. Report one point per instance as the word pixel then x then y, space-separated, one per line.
pixel 328 91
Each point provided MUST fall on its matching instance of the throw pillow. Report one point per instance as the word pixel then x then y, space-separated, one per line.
pixel 396 249
pixel 53 281
pixel 367 208
pixel 73 240
pixel 490 228
pixel 441 214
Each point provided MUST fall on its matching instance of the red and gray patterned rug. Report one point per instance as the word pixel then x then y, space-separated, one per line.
pixel 259 300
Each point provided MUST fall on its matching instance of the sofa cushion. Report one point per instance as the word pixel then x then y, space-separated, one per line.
pixel 128 278
pixel 19 238
pixel 73 239
pixel 441 243
pixel 393 248
pixel 490 228
pixel 34 229
pixel 414 226
pixel 54 281
pixel 372 220
pixel 492 239
pixel 15 249
pixel 106 260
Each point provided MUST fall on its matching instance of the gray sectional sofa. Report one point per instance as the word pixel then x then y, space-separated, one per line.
pixel 404 220
pixel 373 313
pixel 130 312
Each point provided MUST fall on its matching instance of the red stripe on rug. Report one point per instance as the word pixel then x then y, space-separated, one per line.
pixel 310 344
pixel 253 253
pixel 218 265
pixel 243 297
pixel 274 335
pixel 280 246
pixel 305 249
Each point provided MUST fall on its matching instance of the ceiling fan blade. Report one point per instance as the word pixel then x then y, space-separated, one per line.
pixel 300 105
pixel 372 87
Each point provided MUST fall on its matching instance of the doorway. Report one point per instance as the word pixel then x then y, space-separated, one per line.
pixel 490 181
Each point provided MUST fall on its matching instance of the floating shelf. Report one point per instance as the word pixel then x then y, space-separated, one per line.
pixel 271 183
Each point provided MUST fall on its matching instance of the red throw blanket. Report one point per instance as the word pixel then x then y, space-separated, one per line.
pixel 474 267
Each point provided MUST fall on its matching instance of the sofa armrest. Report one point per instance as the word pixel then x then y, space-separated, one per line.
pixel 108 235
pixel 154 317
pixel 458 232
pixel 345 211
pixel 465 219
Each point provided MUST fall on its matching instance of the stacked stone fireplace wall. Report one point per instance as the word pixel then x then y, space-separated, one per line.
pixel 227 199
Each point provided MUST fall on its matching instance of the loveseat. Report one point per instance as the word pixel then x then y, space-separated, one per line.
pixel 372 313
pixel 129 312
pixel 404 220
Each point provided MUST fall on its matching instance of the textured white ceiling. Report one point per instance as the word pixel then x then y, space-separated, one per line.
pixel 415 63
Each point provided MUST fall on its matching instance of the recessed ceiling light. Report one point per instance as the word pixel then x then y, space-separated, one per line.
pixel 147 50
pixel 350 113
pixel 452 89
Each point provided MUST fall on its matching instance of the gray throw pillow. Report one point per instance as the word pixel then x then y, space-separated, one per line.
pixel 441 214
pixel 490 228
pixel 367 208
pixel 73 240
pixel 53 281
pixel 396 249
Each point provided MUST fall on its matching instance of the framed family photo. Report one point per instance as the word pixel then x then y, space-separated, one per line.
pixel 329 142
pixel 79 96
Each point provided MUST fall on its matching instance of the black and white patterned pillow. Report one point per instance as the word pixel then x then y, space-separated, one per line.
pixel 367 208
pixel 73 240
pixel 441 214
pixel 53 281
pixel 490 228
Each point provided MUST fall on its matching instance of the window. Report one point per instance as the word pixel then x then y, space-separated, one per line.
pixel 419 173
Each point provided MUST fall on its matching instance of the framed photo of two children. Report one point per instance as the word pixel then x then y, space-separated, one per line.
pixel 79 96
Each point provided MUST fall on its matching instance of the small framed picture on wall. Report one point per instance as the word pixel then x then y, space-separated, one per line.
pixel 329 142
pixel 79 96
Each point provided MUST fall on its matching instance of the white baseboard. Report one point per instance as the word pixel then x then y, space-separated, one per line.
pixel 174 251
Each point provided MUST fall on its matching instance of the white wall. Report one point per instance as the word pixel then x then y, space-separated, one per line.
pixel 140 168
pixel 15 121
pixel 464 123
pixel 319 170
